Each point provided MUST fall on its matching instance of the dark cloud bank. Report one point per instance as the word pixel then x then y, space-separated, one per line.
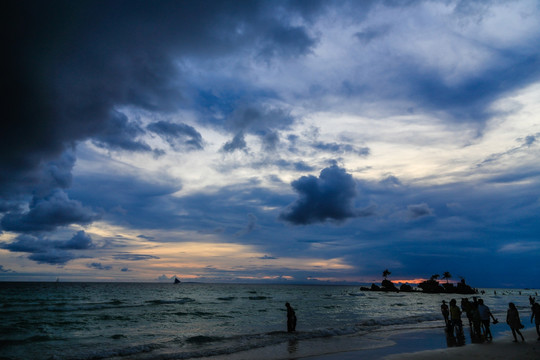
pixel 74 65
pixel 53 252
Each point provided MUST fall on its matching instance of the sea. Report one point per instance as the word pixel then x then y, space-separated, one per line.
pixel 157 321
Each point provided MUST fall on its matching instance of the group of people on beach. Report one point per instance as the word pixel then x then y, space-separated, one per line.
pixel 480 316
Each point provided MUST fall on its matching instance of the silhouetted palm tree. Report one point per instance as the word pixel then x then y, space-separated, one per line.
pixel 435 276
pixel 446 276
pixel 386 273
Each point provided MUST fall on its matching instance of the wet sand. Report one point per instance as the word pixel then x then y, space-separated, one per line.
pixel 502 348
pixel 428 345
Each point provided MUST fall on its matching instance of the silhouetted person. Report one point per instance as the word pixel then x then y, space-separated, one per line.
pixel 455 318
pixel 291 318
pixel 476 328
pixel 512 319
pixel 536 315
pixel 466 306
pixel 445 312
pixel 485 314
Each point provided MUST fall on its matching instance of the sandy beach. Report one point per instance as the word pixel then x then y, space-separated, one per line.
pixel 407 347
pixel 501 348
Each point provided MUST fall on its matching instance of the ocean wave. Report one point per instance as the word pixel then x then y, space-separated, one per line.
pixel 167 302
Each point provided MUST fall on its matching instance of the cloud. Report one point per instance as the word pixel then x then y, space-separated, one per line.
pixel 371 33
pixel 99 266
pixel 145 203
pixel 329 197
pixel 48 213
pixel 3 270
pixel 52 257
pixel 118 133
pixel 341 148
pixel 526 143
pixel 80 241
pixel 418 210
pixel 249 227
pixel 72 89
pixel 520 247
pixel 179 136
pixel 47 251
pixel 134 257
pixel 267 257
pixel 237 143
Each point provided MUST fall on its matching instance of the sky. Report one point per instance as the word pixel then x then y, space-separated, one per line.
pixel 316 142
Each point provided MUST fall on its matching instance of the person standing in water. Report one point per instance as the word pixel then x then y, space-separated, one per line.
pixel 291 318
pixel 536 316
pixel 512 319
pixel 445 312
pixel 485 315
pixel 455 317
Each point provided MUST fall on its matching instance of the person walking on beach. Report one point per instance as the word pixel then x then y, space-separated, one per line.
pixel 536 315
pixel 512 319
pixel 291 318
pixel 445 312
pixel 485 314
pixel 455 318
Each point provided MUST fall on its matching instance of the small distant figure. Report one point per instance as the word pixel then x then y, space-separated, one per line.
pixel 512 319
pixel 536 316
pixel 455 317
pixel 531 300
pixel 485 315
pixel 445 312
pixel 291 318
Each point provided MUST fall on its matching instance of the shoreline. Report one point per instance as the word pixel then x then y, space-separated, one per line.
pixel 423 344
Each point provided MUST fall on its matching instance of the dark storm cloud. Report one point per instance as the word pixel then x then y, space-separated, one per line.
pixel 47 251
pixel 80 241
pixel 178 136
pixel 72 64
pixel 49 213
pixel 259 120
pixel 471 100
pixel 328 197
pixel 120 134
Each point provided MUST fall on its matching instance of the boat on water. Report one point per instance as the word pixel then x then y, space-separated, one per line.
pixel 176 281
